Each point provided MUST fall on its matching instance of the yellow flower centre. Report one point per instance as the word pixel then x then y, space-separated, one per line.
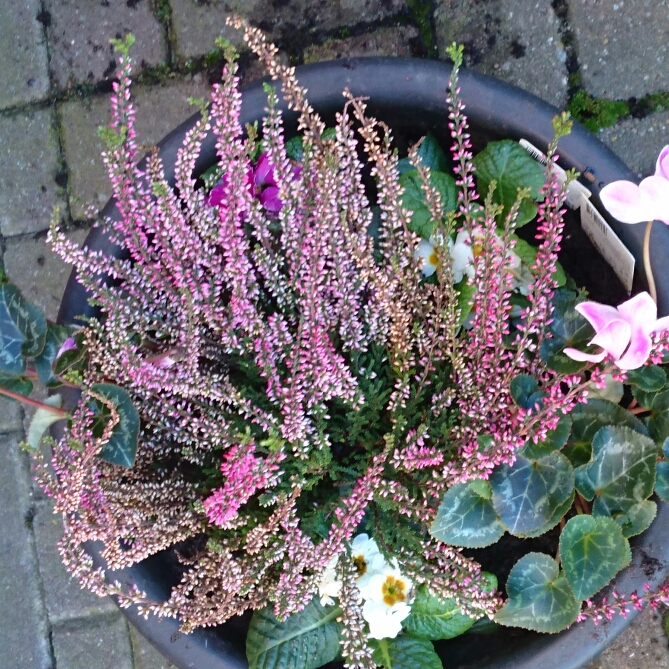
pixel 477 249
pixel 394 590
pixel 433 259
pixel 360 565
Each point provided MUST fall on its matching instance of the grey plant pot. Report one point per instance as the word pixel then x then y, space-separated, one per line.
pixel 410 96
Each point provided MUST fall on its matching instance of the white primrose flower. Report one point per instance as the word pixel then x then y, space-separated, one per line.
pixel 330 585
pixel 367 559
pixel 522 276
pixel 462 257
pixel 386 604
pixel 428 253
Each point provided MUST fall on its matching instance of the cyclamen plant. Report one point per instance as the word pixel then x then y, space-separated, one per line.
pixel 323 419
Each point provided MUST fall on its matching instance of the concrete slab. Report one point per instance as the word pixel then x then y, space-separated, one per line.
pixel 63 597
pixel 24 640
pixel 25 68
pixel 145 655
pixel 98 643
pixel 37 271
pixel 30 172
pixel 639 141
pixel 10 416
pixel 79 32
pixel 515 40
pixel 622 45
pixel 382 42
pixel 197 24
pixel 159 110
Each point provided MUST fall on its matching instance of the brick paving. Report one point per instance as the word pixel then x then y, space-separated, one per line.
pixel 56 66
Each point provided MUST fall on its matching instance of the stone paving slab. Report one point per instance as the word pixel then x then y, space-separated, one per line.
pixel 98 643
pixel 383 42
pixel 23 623
pixel 63 596
pixel 197 24
pixel 623 46
pixel 159 110
pixel 29 172
pixel 639 141
pixel 25 70
pixel 37 271
pixel 79 33
pixel 515 40
pixel 145 655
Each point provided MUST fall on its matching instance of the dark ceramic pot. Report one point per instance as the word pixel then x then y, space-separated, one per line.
pixel 410 96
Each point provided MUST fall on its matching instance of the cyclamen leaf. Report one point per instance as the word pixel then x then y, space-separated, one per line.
pixel 413 199
pixel 567 325
pixel 22 330
pixel 592 550
pixel 512 168
pixel 308 638
pixel 466 517
pixel 555 440
pixel 42 420
pixel 540 598
pixel 553 520
pixel 621 473
pixel 55 337
pixel 636 519
pixel 525 392
pixel 405 652
pixel 15 384
pixel 433 618
pixel 650 378
pixel 658 419
pixel 122 446
pixel 662 480
pixel 527 494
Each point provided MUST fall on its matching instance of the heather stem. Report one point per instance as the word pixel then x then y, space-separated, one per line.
pixel 646 262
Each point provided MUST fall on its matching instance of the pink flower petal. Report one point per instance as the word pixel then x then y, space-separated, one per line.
pixel 575 354
pixel 614 337
pixel 270 199
pixel 640 311
pixel 662 166
pixel 263 173
pixel 661 324
pixel 598 315
pixel 623 200
pixel 655 193
pixel 637 353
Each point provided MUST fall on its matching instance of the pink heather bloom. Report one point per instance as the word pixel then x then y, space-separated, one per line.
pixel 622 332
pixel 649 201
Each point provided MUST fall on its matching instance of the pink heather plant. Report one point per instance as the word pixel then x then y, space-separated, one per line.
pixel 295 383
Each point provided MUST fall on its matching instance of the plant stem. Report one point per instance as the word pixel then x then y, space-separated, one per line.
pixel 34 403
pixel 646 262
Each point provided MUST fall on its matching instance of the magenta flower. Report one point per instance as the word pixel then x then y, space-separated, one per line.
pixel 622 332
pixel 68 345
pixel 649 201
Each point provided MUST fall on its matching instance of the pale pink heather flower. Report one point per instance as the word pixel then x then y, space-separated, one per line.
pixel 622 332
pixel 649 201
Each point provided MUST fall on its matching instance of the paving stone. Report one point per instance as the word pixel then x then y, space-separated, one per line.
pixel 63 597
pixel 145 655
pixel 23 625
pixel 25 70
pixel 10 416
pixel 623 46
pixel 643 645
pixel 382 42
pixel 159 109
pixel 29 168
pixel 79 32
pixel 639 141
pixel 37 271
pixel 197 23
pixel 98 643
pixel 515 40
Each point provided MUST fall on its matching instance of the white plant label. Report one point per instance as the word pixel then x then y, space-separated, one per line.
pixel 607 243
pixel 575 190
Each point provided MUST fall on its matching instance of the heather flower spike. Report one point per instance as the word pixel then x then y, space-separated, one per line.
pixel 622 332
pixel 648 201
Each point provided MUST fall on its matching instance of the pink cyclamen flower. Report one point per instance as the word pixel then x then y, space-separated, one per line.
pixel 68 345
pixel 622 332
pixel 649 201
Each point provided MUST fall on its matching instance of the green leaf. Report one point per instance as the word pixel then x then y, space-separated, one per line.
pixel 527 494
pixel 568 326
pixel 55 337
pixel 650 378
pixel 551 353
pixel 528 254
pixel 413 199
pixel 553 520
pixel 15 384
pixel 466 517
pixel 593 551
pixel 511 167
pixel 122 446
pixel 622 470
pixel 22 330
pixel 555 440
pixel 432 155
pixel 465 293
pixel 404 652
pixel 658 419
pixel 525 392
pixel 42 420
pixel 308 639
pixel 636 519
pixel 71 357
pixel 540 598
pixel 662 480
pixel 294 149
pixel 587 419
pixel 433 618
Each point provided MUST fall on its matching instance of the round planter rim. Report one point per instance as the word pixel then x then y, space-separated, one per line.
pixel 407 87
